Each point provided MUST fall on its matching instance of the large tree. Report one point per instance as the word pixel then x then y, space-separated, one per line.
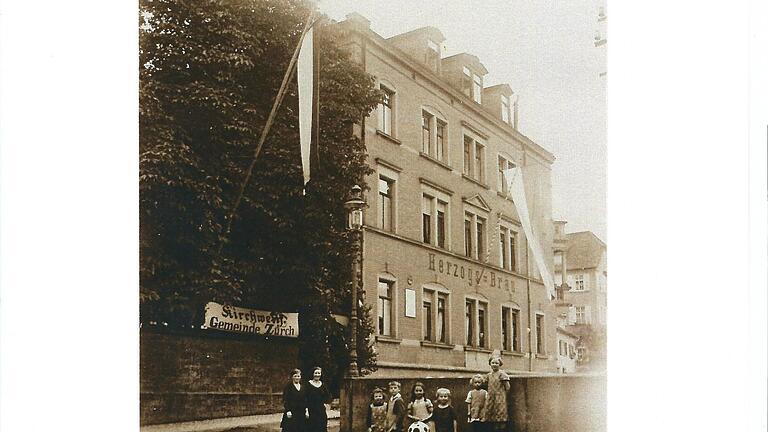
pixel 209 73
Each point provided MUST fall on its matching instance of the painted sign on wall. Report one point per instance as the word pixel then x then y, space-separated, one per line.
pixel 242 320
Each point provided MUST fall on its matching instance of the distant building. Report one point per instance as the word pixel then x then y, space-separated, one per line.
pixel 582 292
pixel 446 265
pixel 567 343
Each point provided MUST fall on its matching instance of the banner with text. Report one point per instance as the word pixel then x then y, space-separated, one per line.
pixel 242 320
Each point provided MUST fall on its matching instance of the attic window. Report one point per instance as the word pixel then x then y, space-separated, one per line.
pixel 505 113
pixel 472 85
pixel 432 56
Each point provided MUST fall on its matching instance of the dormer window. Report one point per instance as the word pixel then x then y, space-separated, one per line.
pixel 432 56
pixel 505 112
pixel 466 82
pixel 477 89
pixel 472 85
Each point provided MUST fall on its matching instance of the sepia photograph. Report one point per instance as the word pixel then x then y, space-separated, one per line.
pixel 359 217
pixel 383 216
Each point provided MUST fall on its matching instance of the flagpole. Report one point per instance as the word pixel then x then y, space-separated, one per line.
pixel 278 100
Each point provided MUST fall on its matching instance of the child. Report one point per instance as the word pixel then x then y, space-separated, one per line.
pixel 443 416
pixel 377 412
pixel 476 403
pixel 395 408
pixel 496 402
pixel 420 408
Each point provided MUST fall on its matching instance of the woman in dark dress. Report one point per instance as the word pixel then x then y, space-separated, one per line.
pixel 317 396
pixel 295 410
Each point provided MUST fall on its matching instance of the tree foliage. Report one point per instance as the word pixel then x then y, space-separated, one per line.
pixel 209 73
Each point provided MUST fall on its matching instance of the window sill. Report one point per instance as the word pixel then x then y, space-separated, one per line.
pixel 440 163
pixel 440 345
pixel 513 353
pixel 388 339
pixel 475 181
pixel 477 349
pixel 542 356
pixel 389 137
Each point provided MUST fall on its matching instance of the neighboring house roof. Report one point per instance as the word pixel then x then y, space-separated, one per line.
pixel 566 332
pixel 585 250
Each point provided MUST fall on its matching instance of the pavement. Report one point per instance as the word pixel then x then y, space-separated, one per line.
pixel 256 423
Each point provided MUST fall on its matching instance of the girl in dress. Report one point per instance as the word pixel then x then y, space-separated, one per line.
pixel 420 408
pixel 317 396
pixel 443 416
pixel 377 412
pixel 496 401
pixel 476 404
pixel 295 410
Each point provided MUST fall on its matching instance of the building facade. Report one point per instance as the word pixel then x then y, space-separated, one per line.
pixel 581 269
pixel 445 264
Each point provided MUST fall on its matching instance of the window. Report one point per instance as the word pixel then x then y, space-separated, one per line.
pixel 468 235
pixel 427 312
pixel 433 219
pixel 426 134
pixel 426 219
pixel 466 82
pixel 506 344
pixel 469 322
pixel 539 334
pixel 442 326
pixel 507 248
pixel 433 143
pixel 504 164
pixel 472 84
pixel 583 315
pixel 386 192
pixel 578 284
pixel 563 348
pixel 435 321
pixel 503 233
pixel 515 326
pixel 384 308
pixel 386 108
pixel 474 159
pixel 510 326
pixel 441 208
pixel 432 56
pixel 480 227
pixel 601 314
pixel 477 89
pixel 481 322
pixel 505 117
pixel 476 325
pixel 474 236
pixel 440 143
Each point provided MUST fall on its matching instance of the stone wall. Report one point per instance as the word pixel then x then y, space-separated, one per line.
pixel 537 403
pixel 194 376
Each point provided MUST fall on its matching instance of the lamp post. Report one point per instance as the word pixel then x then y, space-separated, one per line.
pixel 354 206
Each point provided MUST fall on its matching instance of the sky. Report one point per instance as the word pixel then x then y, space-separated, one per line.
pixel 545 51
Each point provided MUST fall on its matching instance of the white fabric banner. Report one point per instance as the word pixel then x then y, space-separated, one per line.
pixel 304 78
pixel 514 178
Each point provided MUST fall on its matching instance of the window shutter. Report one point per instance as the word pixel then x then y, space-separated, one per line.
pixel 588 314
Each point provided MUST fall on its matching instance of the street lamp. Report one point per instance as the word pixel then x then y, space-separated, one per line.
pixel 354 206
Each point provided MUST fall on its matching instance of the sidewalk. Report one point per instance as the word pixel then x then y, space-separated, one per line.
pixel 256 423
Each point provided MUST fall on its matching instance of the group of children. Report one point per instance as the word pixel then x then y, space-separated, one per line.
pixel 486 405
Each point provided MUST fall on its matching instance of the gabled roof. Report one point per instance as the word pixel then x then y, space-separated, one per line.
pixel 469 60
pixel 504 89
pixel 431 32
pixel 585 250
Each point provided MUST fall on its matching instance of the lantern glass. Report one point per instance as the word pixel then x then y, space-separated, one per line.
pixel 356 219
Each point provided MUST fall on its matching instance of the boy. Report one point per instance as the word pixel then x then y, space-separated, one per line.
pixel 396 408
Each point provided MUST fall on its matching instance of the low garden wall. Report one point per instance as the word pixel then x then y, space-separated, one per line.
pixel 546 403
